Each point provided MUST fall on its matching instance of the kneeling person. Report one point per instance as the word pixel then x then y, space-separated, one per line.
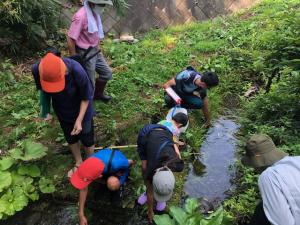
pixel 107 162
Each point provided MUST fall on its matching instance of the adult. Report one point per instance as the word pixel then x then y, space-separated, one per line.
pixel 159 158
pixel 71 91
pixel 278 183
pixel 191 87
pixel 112 164
pixel 86 31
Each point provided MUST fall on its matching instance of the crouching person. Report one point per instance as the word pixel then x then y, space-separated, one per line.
pixel 278 183
pixel 159 158
pixel 112 164
pixel 191 87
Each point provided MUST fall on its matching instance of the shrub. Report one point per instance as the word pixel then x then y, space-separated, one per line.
pixel 27 24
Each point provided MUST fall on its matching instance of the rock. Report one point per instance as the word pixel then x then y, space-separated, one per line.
pixel 126 38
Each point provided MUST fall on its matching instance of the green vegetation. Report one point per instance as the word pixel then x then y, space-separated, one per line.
pixel 21 179
pixel 23 25
pixel 259 46
pixel 190 215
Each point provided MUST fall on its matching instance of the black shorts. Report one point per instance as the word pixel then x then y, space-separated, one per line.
pixel 86 136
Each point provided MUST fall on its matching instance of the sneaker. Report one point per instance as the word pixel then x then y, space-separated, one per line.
pixel 160 206
pixel 142 199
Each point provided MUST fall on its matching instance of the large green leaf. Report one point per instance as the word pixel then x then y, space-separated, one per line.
pixel 193 221
pixel 31 170
pixel 27 185
pixel 20 199
pixel 33 196
pixel 33 150
pixel 7 200
pixel 178 214
pixel 46 185
pixel 30 151
pixel 191 205
pixel 214 219
pixel 16 153
pixel 163 220
pixel 17 179
pixel 5 180
pixel 6 163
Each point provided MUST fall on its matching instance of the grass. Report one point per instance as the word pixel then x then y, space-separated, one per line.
pixel 260 46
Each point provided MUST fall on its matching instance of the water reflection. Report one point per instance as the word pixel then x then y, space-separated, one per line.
pixel 209 174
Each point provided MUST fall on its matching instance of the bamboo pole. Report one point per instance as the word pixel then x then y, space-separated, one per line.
pixel 119 147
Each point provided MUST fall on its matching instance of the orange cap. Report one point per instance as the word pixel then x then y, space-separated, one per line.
pixel 52 70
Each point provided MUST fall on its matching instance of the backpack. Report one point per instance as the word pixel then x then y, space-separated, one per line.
pixel 83 59
pixel 145 131
pixel 181 84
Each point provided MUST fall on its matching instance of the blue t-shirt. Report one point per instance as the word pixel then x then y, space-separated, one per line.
pixel 119 163
pixel 78 87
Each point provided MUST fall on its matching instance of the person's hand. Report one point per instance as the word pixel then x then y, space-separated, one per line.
pixel 150 216
pixel 131 162
pixel 196 93
pixel 83 220
pixel 77 128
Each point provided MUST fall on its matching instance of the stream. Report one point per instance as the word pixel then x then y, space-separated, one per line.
pixel 210 175
pixel 209 178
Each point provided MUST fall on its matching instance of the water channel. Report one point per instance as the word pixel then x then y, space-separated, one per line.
pixel 209 178
pixel 210 175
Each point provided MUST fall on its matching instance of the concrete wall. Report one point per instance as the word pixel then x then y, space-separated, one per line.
pixel 146 14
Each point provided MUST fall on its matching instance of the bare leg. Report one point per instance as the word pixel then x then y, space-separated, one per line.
pixel 144 167
pixel 89 150
pixel 75 149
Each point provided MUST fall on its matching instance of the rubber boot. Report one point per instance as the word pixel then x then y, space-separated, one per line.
pixel 99 91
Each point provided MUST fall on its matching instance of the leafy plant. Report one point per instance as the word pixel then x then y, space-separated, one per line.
pixel 30 170
pixel 5 180
pixel 46 185
pixel 190 215
pixel 29 151
pixel 19 179
pixel 6 163
pixel 26 24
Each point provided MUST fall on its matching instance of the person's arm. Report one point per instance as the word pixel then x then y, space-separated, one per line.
pixel 169 83
pixel 74 32
pixel 275 204
pixel 71 46
pixel 36 76
pixel 177 151
pixel 78 123
pixel 150 200
pixel 82 198
pixel 205 111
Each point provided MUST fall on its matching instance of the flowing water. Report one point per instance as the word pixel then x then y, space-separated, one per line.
pixel 211 173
